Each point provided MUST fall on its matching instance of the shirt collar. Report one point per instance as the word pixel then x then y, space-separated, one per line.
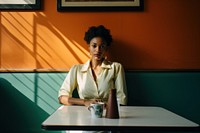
pixel 105 64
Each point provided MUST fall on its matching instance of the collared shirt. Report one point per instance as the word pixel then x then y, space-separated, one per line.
pixel 111 77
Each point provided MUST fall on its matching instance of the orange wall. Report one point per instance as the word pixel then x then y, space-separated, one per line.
pixel 166 35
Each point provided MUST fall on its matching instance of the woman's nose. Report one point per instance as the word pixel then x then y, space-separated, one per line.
pixel 98 48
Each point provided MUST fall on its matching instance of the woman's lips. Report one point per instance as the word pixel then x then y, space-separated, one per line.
pixel 97 55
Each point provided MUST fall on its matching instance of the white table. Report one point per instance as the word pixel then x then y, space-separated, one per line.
pixel 131 119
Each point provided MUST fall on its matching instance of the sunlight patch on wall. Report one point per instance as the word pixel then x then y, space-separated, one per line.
pixel 55 50
pixel 30 40
pixel 16 40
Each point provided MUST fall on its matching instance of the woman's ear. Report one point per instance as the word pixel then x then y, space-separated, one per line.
pixel 89 48
pixel 106 53
pixel 107 49
pixel 89 52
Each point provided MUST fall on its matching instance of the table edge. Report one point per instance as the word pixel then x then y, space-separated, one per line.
pixel 121 128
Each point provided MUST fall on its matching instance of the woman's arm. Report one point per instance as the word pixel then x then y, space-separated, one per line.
pixel 65 100
pixel 120 85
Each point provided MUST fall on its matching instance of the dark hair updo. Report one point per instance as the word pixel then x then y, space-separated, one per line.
pixel 99 31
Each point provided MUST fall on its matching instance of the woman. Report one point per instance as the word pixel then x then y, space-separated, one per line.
pixel 97 76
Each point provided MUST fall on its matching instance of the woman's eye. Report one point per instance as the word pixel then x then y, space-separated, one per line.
pixel 102 46
pixel 94 46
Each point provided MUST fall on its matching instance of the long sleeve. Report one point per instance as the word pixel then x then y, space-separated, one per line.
pixel 69 84
pixel 120 85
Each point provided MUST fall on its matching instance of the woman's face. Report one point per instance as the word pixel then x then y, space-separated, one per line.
pixel 98 48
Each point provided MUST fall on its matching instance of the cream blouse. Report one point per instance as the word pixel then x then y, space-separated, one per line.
pixel 80 77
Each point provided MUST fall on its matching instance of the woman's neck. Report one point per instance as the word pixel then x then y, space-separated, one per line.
pixel 96 63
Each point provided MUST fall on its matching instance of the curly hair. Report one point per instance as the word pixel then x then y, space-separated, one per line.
pixel 99 31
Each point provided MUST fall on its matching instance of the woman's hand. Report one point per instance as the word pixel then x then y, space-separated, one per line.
pixel 65 100
pixel 88 102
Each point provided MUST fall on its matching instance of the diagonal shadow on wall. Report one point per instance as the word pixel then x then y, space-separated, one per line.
pixel 18 113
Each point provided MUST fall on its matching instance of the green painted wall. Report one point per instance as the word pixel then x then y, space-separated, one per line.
pixel 178 92
pixel 27 99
